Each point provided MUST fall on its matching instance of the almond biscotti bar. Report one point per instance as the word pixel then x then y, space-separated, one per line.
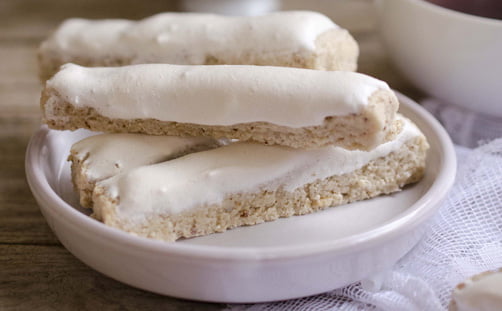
pixel 246 184
pixel 479 292
pixel 102 156
pixel 293 39
pixel 299 108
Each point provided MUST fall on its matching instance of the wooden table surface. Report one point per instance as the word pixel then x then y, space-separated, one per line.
pixel 36 271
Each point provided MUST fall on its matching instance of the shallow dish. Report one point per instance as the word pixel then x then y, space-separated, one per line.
pixel 288 258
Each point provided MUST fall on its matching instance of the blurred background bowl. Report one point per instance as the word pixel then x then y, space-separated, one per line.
pixel 453 56
pixel 231 7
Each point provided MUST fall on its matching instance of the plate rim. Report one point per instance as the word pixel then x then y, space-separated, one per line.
pixel 414 215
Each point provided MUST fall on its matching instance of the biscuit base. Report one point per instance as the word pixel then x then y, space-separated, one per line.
pixel 335 49
pixel 381 176
pixel 363 131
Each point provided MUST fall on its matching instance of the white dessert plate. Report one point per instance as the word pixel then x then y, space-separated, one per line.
pixel 288 258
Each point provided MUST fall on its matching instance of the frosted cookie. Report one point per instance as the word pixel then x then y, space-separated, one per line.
pixel 482 292
pixel 246 183
pixel 300 108
pixel 102 156
pixel 292 39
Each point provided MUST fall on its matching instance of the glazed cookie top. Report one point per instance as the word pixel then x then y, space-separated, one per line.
pixel 106 155
pixel 481 292
pixel 188 37
pixel 207 177
pixel 216 95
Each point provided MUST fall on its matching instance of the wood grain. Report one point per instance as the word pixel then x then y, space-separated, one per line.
pixel 39 277
pixel 20 219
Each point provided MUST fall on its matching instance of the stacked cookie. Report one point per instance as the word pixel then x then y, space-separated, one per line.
pixel 290 39
pixel 301 140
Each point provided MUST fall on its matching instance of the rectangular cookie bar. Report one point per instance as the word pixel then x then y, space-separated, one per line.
pixel 292 39
pixel 102 156
pixel 479 292
pixel 299 108
pixel 245 184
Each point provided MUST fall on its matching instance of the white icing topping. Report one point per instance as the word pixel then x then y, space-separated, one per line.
pixel 207 177
pixel 107 155
pixel 482 294
pixel 187 38
pixel 216 95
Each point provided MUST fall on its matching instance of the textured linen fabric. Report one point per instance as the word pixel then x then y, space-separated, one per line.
pixel 466 128
pixel 464 238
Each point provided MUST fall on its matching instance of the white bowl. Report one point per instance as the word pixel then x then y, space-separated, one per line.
pixel 453 56
pixel 284 259
pixel 231 7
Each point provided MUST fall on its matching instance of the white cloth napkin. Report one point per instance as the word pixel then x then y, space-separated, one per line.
pixel 467 128
pixel 463 239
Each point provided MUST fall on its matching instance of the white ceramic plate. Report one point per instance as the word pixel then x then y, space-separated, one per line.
pixel 288 258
